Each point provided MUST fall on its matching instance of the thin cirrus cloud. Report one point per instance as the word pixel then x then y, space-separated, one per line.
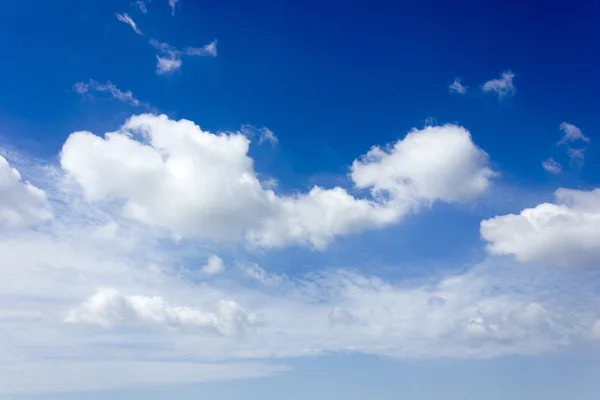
pixel 94 86
pixel 220 197
pixel 457 87
pixel 169 58
pixel 125 18
pixel 502 86
pixel 263 134
pixel 571 133
pixel 141 5
pixel 173 4
pixel 552 166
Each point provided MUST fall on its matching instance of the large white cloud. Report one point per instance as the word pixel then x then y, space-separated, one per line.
pixel 174 175
pixel 21 203
pixel 565 233
pixel 436 163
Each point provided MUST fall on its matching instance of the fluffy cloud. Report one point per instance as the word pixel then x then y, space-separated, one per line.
pixel 173 175
pixel 21 203
pixel 126 19
pixel 502 86
pixel 94 86
pixel 552 166
pixel 457 87
pixel 438 163
pixel 214 266
pixel 109 307
pixel 565 233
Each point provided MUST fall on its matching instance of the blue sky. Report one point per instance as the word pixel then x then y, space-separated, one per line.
pixel 313 199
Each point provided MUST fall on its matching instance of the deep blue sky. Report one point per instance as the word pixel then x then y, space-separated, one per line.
pixel 330 78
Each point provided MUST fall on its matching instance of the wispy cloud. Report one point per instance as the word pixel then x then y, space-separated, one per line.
pixel 571 134
pixel 457 87
pixel 110 88
pixel 172 4
pixel 576 156
pixel 206 50
pixel 166 65
pixel 502 86
pixel 169 59
pixel 263 134
pixel 142 6
pixel 552 166
pixel 126 19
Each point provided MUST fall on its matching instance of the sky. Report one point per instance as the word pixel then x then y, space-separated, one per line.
pixel 300 200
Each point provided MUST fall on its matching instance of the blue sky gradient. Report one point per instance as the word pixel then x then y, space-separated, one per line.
pixel 331 79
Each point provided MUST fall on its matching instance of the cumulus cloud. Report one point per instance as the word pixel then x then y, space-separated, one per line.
pixel 437 163
pixel 110 88
pixel 502 86
pixel 109 307
pixel 126 19
pixel 457 87
pixel 214 265
pixel 552 166
pixel 21 203
pixel 565 233
pixel 195 183
pixel 571 133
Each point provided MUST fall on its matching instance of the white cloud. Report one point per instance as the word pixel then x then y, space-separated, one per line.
pixel 565 233
pixel 254 271
pixel 167 65
pixel 21 203
pixel 214 265
pixel 502 87
pixel 159 316
pixel 108 87
pixel 125 18
pixel 457 87
pixel 206 50
pixel 172 4
pixel 142 6
pixel 437 163
pixel 169 59
pixel 571 133
pixel 552 166
pixel 109 307
pixel 196 183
